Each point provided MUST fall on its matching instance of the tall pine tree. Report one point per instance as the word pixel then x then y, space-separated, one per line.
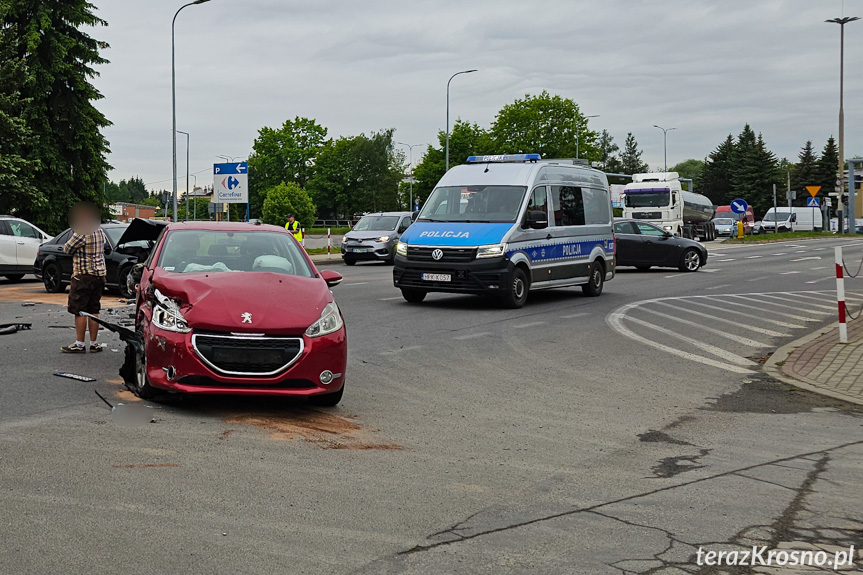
pixel 828 165
pixel 630 157
pixel 715 180
pixel 57 96
pixel 805 173
pixel 754 171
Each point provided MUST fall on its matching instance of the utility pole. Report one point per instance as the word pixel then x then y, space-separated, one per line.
pixel 775 221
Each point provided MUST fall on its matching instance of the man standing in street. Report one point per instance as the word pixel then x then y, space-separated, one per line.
pixel 293 226
pixel 87 246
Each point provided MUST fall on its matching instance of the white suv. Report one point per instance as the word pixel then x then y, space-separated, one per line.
pixel 19 242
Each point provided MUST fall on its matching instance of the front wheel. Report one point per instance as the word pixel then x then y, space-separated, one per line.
pixel 414 295
pixel 123 281
pixel 516 294
pixel 14 277
pixel 350 261
pixel 593 288
pixel 52 278
pixel 143 389
pixel 327 400
pixel 690 261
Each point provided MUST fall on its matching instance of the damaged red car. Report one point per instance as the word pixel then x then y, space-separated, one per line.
pixel 235 308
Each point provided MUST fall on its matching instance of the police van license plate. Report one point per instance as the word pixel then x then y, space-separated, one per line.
pixel 437 277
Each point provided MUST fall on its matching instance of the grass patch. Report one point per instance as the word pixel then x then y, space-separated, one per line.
pixel 781 236
pixel 323 231
pixel 322 251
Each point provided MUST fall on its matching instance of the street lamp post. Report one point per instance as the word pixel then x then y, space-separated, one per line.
pixel 664 143
pixel 447 113
pixel 188 137
pixel 851 198
pixel 410 147
pixel 174 98
pixel 194 201
pixel 577 136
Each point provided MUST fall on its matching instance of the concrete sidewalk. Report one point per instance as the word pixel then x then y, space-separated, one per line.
pixel 821 364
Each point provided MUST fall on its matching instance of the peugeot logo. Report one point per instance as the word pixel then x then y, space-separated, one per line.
pixel 247 317
pixel 437 254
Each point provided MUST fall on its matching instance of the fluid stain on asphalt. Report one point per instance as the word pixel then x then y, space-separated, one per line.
pixel 325 430
pixel 671 466
pixel 654 436
pixel 764 394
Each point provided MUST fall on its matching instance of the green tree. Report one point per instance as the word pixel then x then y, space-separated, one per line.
pixel 288 198
pixel 805 173
pixel 58 58
pixel 465 140
pixel 286 154
pixel 715 179
pixel 630 157
pixel 607 152
pixel 689 169
pixel 828 166
pixel 544 124
pixel 754 171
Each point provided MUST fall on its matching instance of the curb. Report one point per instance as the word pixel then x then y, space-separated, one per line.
pixel 782 354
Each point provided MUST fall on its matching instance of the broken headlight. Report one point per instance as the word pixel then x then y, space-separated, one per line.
pixel 167 315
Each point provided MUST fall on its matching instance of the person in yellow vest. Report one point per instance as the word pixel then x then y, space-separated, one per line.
pixel 293 226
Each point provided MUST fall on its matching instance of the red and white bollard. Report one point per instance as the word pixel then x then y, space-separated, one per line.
pixel 303 237
pixel 328 243
pixel 840 296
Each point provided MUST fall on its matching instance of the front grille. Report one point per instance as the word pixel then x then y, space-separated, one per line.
pixel 647 215
pixel 424 254
pixel 241 355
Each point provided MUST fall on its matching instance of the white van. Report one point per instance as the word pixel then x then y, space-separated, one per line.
pixel 792 219
pixel 506 225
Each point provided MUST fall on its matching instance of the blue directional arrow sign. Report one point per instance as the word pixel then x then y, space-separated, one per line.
pixel 231 183
pixel 813 202
pixel 739 206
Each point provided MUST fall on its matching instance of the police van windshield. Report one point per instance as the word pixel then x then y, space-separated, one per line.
pixel 491 204
pixel 647 198
pixel 377 224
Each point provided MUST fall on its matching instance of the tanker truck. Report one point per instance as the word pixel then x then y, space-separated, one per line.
pixel 659 199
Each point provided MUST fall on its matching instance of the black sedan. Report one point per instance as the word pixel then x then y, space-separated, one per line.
pixel 644 245
pixel 127 245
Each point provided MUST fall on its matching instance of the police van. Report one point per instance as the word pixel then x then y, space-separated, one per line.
pixel 504 225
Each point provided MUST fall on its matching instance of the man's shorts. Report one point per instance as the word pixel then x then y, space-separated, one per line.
pixel 85 294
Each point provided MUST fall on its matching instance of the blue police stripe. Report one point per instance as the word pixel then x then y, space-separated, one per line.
pixel 543 252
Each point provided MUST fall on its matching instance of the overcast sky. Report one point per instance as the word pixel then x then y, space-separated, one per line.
pixel 705 67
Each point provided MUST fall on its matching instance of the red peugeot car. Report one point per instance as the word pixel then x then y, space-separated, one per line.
pixel 236 308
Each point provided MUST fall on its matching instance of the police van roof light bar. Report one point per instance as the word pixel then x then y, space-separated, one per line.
pixel 504 158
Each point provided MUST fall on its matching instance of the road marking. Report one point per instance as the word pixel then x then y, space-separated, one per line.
pixel 747 314
pixel 711 349
pixel 676 276
pixel 472 335
pixel 819 281
pixel 719 286
pixel 819 249
pixel 788 273
pixel 390 298
pixel 799 251
pixel 808 258
pixel 809 305
pixel 761 307
pixel 710 271
pixel 759 279
pixel 531 324
pixel 719 332
pixel 753 257
pixel 781 254
pixel 730 321
pixel 728 260
pixel 355 284
pixel 574 315
pixel 718 255
pixel 820 268
pixel 401 350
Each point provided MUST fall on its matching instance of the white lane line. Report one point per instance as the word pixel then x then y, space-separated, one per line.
pixel 390 298
pixel 531 324
pixel 615 321
pixel 401 350
pixel 574 315
pixel 781 254
pixel 711 349
pixel 472 335
pixel 710 271
pixel 810 305
pixel 819 249
pixel 799 251
pixel 784 302
pixel 702 327
pixel 728 260
pixel 820 268
pixel 823 301
pixel 747 314
pixel 717 255
pixel 355 284
pixel 753 257
pixel 759 279
pixel 788 273
pixel 760 308
pixel 676 276
pixel 807 258
pixel 719 286
pixel 819 281
pixel 729 321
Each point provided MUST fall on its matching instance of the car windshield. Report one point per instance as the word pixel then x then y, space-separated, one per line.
pixel 376 224
pixel 778 216
pixel 724 221
pixel 647 198
pixel 114 234
pixel 498 204
pixel 191 251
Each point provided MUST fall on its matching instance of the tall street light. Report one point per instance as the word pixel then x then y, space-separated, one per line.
pixel 664 143
pixel 577 137
pixel 188 137
pixel 411 148
pixel 851 191
pixel 174 98
pixel 447 113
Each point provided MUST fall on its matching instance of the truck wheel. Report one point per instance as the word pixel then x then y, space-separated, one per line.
pixel 413 295
pixel 690 261
pixel 515 295
pixel 593 288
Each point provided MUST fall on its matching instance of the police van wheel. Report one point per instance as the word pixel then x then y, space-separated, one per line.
pixel 516 296
pixel 414 295
pixel 593 288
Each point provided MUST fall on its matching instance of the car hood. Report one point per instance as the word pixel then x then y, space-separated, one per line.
pixel 279 304
pixel 454 234
pixel 141 229
pixel 369 234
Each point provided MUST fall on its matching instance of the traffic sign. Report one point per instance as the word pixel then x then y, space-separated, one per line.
pixel 813 203
pixel 739 206
pixel 813 190
pixel 231 183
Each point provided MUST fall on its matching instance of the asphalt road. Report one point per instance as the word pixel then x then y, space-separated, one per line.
pixel 576 435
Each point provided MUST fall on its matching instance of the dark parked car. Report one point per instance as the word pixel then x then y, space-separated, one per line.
pixel 127 245
pixel 644 245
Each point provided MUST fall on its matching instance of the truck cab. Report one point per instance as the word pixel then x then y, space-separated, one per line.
pixel 658 198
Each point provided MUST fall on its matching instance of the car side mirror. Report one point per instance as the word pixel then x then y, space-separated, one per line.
pixel 332 278
pixel 537 220
pixel 414 216
pixel 668 234
pixel 107 249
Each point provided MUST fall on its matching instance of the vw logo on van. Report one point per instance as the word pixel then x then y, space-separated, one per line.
pixel 437 254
